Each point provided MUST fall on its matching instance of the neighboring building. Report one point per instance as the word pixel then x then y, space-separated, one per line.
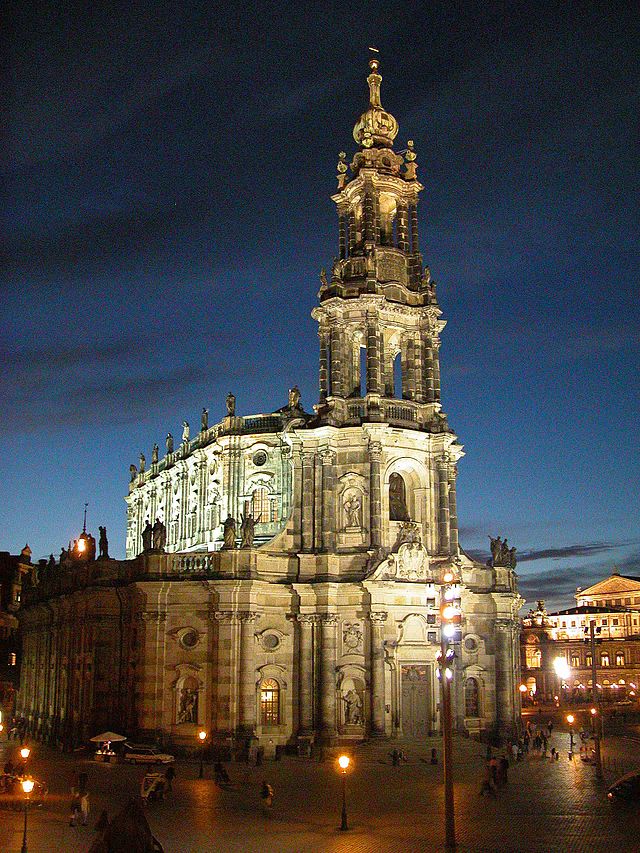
pixel 617 590
pixel 12 571
pixel 566 635
pixel 284 569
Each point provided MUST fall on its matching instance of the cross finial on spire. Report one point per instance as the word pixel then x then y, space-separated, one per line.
pixel 84 523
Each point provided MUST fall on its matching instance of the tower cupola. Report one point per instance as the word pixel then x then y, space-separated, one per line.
pixel 375 127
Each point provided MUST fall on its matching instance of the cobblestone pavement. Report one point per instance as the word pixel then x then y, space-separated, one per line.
pixel 546 806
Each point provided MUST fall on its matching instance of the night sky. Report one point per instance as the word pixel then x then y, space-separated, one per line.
pixel 166 177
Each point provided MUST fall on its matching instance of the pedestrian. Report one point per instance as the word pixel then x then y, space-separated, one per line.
pixel 503 768
pixel 103 821
pixel 75 807
pixel 514 751
pixel 266 794
pixel 259 756
pixel 84 798
pixel 494 766
pixel 488 785
pixel 526 739
pixel 170 775
pixel 220 774
pixel 434 756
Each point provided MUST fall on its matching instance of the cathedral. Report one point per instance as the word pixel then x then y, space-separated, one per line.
pixel 283 573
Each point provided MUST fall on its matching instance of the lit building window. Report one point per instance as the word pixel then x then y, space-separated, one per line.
pixel 575 661
pixel 604 660
pixel 619 658
pixel 471 698
pixel 12 659
pixel 588 662
pixel 270 702
pixel 263 507
pixel 534 658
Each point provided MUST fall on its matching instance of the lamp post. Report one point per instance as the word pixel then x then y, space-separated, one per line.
pixel 25 752
pixel 27 787
pixel 202 736
pixel 570 720
pixel 594 696
pixel 344 762
pixel 450 619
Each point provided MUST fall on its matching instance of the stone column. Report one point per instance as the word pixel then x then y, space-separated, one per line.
pixel 305 673
pixel 453 510
pixel 298 490
pixel 352 232
pixel 329 521
pixel 328 677
pixel 318 502
pixel 342 234
pixel 225 681
pixel 443 508
pixel 417 350
pixel 373 356
pixel 369 216
pixel 335 378
pixel 248 672
pixel 377 621
pixel 324 360
pixel 375 494
pixel 430 395
pixel 308 488
pixel 436 370
pixel 402 227
pixel 413 213
pixel 411 370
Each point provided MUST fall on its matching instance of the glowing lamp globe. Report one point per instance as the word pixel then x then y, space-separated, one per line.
pixel 27 785
pixel 449 612
pixel 593 712
pixel 202 735
pixel 25 752
pixel 448 577
pixel 344 761
pixel 570 719
pixel 522 688
pixel 562 668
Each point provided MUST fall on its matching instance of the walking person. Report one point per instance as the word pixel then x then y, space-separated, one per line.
pixel 266 795
pixel 170 775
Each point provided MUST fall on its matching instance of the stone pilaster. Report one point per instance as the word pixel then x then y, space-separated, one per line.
pixel 248 720
pixel 352 232
pixel 443 508
pixel 329 520
pixel 413 215
pixel 308 494
pixel 324 360
pixel 305 673
pixel 411 370
pixel 335 378
pixel 436 371
pixel 342 234
pixel 329 644
pixel 298 489
pixel 402 227
pixel 369 217
pixel 226 705
pixel 429 389
pixel 419 377
pixel 453 510
pixel 375 493
pixel 377 621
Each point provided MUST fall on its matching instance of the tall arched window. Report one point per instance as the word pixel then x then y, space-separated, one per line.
pixel 471 698
pixel 619 658
pixel 397 499
pixel 270 702
pixel 263 507
pixel 604 659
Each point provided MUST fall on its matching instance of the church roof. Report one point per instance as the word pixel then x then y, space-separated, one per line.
pixel 615 583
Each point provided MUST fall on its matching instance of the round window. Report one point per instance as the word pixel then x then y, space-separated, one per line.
pixel 189 639
pixel 259 458
pixel 470 644
pixel 270 641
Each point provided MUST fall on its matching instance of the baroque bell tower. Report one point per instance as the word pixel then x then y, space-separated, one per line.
pixel 379 320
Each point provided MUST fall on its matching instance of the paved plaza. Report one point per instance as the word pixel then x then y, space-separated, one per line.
pixel 546 806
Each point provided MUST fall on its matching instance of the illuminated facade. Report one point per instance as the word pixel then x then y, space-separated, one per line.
pixel 293 592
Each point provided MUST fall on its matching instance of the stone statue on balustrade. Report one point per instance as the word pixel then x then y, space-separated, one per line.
pixel 231 405
pixel 229 532
pixel 103 544
pixel 501 554
pixel 185 432
pixel 204 420
pixel 133 472
pixel 154 454
pixel 143 462
pixel 159 532
pixel 169 443
pixel 248 529
pixel 147 537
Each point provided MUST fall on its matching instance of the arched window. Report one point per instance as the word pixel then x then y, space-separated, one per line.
pixel 604 659
pixel 270 702
pixel 534 658
pixel 263 507
pixel 397 499
pixel 619 658
pixel 471 699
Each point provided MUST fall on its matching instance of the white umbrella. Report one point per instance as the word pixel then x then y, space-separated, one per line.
pixel 107 736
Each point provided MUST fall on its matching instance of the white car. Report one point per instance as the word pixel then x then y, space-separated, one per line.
pixel 137 753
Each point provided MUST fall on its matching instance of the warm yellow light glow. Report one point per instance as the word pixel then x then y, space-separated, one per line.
pixel 344 761
pixel 1 727
pixel 27 785
pixel 25 752
pixel 570 719
pixel 202 735
pixel 562 668
pixel 81 545
pixel 523 688
pixel 449 611
pixel 448 577
pixel 594 711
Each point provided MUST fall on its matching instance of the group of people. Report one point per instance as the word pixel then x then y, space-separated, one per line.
pixel 18 729
pixel 495 775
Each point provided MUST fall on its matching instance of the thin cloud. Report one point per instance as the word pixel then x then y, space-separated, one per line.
pixel 579 550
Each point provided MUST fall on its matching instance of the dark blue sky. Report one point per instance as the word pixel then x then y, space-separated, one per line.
pixel 167 174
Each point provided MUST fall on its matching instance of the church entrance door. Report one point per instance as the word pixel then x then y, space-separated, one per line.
pixel 415 701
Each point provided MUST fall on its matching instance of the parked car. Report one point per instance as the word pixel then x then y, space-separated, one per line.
pixel 626 788
pixel 139 753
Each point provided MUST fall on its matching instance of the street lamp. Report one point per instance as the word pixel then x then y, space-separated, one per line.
pixel 344 761
pixel 450 620
pixel 25 752
pixel 27 787
pixel 563 672
pixel 570 720
pixel 202 736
